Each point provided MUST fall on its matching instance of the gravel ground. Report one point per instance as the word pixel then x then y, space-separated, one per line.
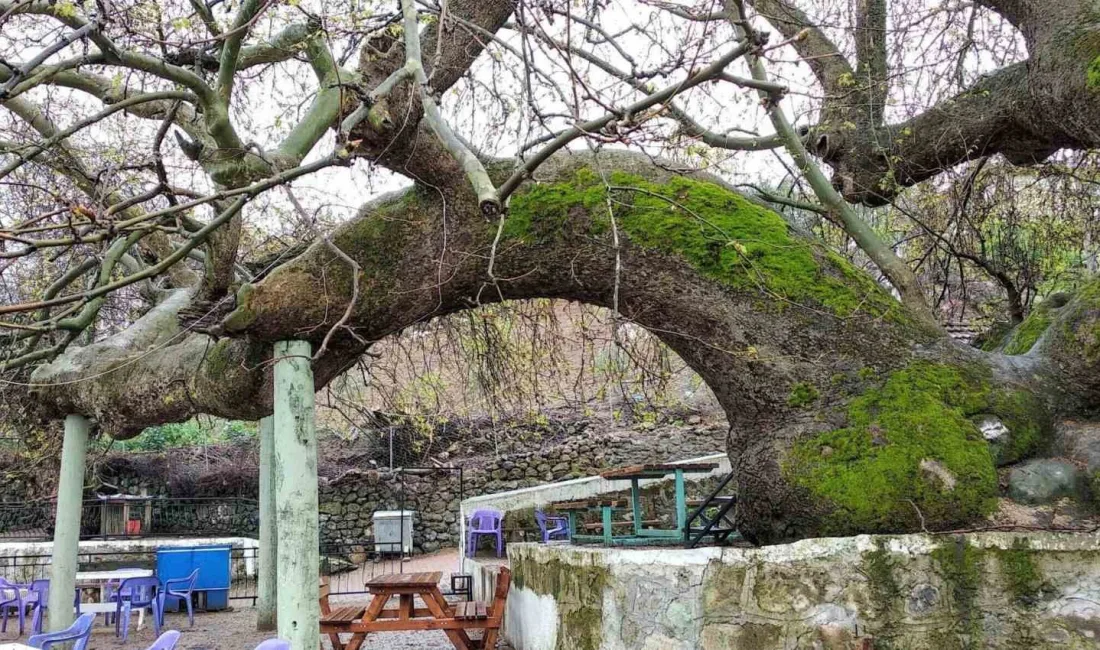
pixel 236 630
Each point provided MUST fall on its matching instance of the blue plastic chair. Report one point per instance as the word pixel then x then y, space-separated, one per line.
pixel 552 527
pixel 179 589
pixel 166 641
pixel 78 633
pixel 38 599
pixel 11 602
pixel 136 593
pixel 274 644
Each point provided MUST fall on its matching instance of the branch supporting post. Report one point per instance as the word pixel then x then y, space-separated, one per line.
pixel 266 592
pixel 295 458
pixel 66 534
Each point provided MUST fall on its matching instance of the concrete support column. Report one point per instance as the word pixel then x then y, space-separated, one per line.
pixel 298 611
pixel 66 534
pixel 268 560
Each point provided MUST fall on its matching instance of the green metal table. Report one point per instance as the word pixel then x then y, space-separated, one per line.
pixel 635 473
pixel 640 535
pixel 606 507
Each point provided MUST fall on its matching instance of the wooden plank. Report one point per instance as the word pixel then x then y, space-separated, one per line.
pixel 591 503
pixel 452 625
pixel 481 611
pixel 417 612
pixel 461 611
pixel 433 598
pixel 656 470
pixel 347 614
pixel 425 579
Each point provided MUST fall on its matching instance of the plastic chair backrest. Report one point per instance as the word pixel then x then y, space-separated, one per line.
pixel 486 521
pixel 166 641
pixel 182 585
pixel 141 591
pixel 42 588
pixel 274 644
pixel 9 590
pixel 78 632
pixel 540 518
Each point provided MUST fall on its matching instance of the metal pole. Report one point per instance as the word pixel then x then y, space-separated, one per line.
pixel 298 611
pixel 269 544
pixel 66 533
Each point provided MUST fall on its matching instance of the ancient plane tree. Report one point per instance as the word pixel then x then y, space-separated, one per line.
pixel 134 153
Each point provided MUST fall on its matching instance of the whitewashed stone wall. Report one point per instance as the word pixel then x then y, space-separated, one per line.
pixel 919 592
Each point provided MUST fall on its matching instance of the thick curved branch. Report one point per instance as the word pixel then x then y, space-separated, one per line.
pixel 871 64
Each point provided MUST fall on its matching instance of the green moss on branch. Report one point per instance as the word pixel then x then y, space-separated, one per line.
pixel 721 233
pixel 911 454
pixel 1024 337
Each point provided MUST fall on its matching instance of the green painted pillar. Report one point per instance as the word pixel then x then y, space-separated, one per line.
pixel 66 533
pixel 298 611
pixel 681 503
pixel 636 505
pixel 268 560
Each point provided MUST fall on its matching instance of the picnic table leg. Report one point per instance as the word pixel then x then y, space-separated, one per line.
pixel 405 608
pixel 681 502
pixel 607 525
pixel 440 609
pixel 636 505
pixel 373 610
pixel 572 524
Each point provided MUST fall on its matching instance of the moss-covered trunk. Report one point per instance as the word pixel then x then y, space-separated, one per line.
pixel 846 415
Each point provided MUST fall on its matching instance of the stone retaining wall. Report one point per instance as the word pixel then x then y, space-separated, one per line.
pixel 350 494
pixel 348 502
pixel 918 592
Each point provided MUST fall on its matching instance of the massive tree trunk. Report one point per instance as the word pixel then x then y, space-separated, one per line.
pixel 846 414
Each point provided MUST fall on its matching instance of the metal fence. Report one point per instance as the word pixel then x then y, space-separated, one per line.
pixel 135 517
pixel 348 566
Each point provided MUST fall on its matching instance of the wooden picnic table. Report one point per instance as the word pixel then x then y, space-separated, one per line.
pixel 641 533
pixel 436 614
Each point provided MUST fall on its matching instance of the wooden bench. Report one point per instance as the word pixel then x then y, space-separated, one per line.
pixel 589 504
pixel 486 616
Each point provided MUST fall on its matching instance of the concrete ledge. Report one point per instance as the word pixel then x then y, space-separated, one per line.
pixel 919 592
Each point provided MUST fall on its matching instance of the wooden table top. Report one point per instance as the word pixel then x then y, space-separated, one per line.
pixel 656 470
pixel 589 503
pixel 406 580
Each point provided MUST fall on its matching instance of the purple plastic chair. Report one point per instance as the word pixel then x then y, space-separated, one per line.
pixel 136 593
pixel 166 641
pixel 78 632
pixel 274 644
pixel 11 602
pixel 485 522
pixel 39 598
pixel 551 526
pixel 179 589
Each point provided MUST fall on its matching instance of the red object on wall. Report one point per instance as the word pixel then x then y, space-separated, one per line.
pixel 133 527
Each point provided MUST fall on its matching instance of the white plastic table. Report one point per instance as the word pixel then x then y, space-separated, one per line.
pixel 102 577
pixel 15 646
pixel 116 574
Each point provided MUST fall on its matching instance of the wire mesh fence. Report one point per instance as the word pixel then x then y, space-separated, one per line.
pixel 135 517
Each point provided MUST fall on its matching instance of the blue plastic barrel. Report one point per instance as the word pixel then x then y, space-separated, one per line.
pixel 213 565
